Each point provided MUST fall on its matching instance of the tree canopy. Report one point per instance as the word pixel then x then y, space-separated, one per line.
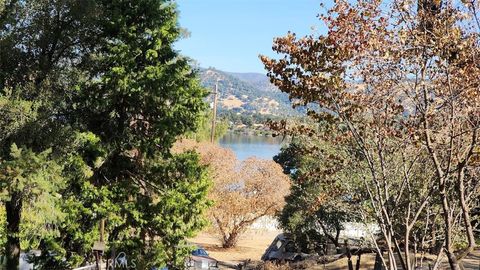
pixel 400 81
pixel 92 97
pixel 242 192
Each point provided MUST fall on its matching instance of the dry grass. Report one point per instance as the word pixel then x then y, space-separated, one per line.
pixel 232 102
pixel 367 262
pixel 251 246
pixel 272 266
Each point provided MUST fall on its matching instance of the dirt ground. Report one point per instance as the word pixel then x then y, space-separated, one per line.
pixel 253 244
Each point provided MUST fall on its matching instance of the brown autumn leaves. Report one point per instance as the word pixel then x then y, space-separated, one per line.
pixel 242 192
pixel 401 81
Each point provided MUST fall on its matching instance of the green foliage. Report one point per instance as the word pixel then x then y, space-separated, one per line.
pixel 36 178
pixel 145 97
pixel 84 203
pixel 3 229
pixel 236 120
pixel 319 202
pixel 203 132
pixel 29 173
pixel 94 112
pixel 183 188
pixel 14 114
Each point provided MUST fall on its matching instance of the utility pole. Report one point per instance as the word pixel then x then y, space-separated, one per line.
pixel 214 118
pixel 102 230
pixel 102 239
pixel 99 246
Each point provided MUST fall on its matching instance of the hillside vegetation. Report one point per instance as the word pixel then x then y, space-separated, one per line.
pixel 246 93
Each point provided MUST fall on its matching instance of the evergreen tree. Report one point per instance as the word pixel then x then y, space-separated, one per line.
pixel 320 202
pixel 95 89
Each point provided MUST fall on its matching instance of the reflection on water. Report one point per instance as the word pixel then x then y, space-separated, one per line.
pixel 246 146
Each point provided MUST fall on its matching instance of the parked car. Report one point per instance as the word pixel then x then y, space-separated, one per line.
pixel 23 265
pixel 30 260
pixel 284 249
pixel 200 259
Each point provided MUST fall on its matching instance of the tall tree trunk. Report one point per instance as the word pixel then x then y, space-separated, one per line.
pixel 466 215
pixel 332 238
pixel 407 249
pixel 231 240
pixel 391 253
pixel 452 259
pixel 13 210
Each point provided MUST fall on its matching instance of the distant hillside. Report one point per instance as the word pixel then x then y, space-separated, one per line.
pixel 247 93
pixel 260 81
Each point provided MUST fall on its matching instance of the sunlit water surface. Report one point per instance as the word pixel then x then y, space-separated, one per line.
pixel 246 146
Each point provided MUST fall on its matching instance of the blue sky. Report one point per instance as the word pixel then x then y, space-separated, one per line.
pixel 230 34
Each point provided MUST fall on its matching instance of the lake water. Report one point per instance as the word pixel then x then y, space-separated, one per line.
pixel 246 146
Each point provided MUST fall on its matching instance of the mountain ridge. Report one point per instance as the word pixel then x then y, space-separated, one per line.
pixel 248 92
